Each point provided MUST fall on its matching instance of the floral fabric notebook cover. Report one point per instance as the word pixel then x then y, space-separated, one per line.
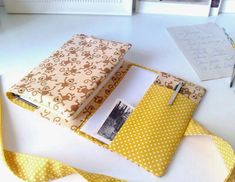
pixel 66 81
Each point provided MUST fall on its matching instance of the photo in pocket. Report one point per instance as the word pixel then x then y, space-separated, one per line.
pixel 115 119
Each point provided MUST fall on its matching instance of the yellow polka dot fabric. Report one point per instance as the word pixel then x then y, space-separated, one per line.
pixel 225 149
pixel 38 169
pixel 149 138
pixel 153 131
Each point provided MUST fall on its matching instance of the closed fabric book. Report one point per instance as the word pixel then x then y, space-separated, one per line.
pixel 67 80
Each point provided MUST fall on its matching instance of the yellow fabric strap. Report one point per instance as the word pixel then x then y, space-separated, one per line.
pixel 225 149
pixel 33 168
pixel 36 169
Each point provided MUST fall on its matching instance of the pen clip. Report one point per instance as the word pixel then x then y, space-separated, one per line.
pixel 175 93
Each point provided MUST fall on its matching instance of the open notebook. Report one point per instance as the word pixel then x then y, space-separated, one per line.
pixel 131 89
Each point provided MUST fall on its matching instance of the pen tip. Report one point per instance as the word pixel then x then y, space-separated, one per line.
pixel 231 84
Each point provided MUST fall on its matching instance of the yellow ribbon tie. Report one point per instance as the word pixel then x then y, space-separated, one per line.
pixel 225 149
pixel 36 169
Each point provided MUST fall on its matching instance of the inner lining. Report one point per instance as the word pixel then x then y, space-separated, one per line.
pixel 18 97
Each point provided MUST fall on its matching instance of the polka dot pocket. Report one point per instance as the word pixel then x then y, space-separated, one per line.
pixel 151 134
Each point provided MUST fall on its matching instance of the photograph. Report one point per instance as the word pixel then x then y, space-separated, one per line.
pixel 215 3
pixel 115 120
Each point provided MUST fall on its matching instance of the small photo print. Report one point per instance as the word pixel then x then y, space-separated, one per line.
pixel 115 119
pixel 215 3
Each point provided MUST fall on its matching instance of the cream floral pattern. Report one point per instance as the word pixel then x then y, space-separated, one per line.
pixel 70 75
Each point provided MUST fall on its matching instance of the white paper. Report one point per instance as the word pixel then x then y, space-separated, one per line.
pixel 131 89
pixel 206 48
pixel 215 7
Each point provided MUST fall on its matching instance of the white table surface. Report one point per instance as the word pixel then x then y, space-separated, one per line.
pixel 25 40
